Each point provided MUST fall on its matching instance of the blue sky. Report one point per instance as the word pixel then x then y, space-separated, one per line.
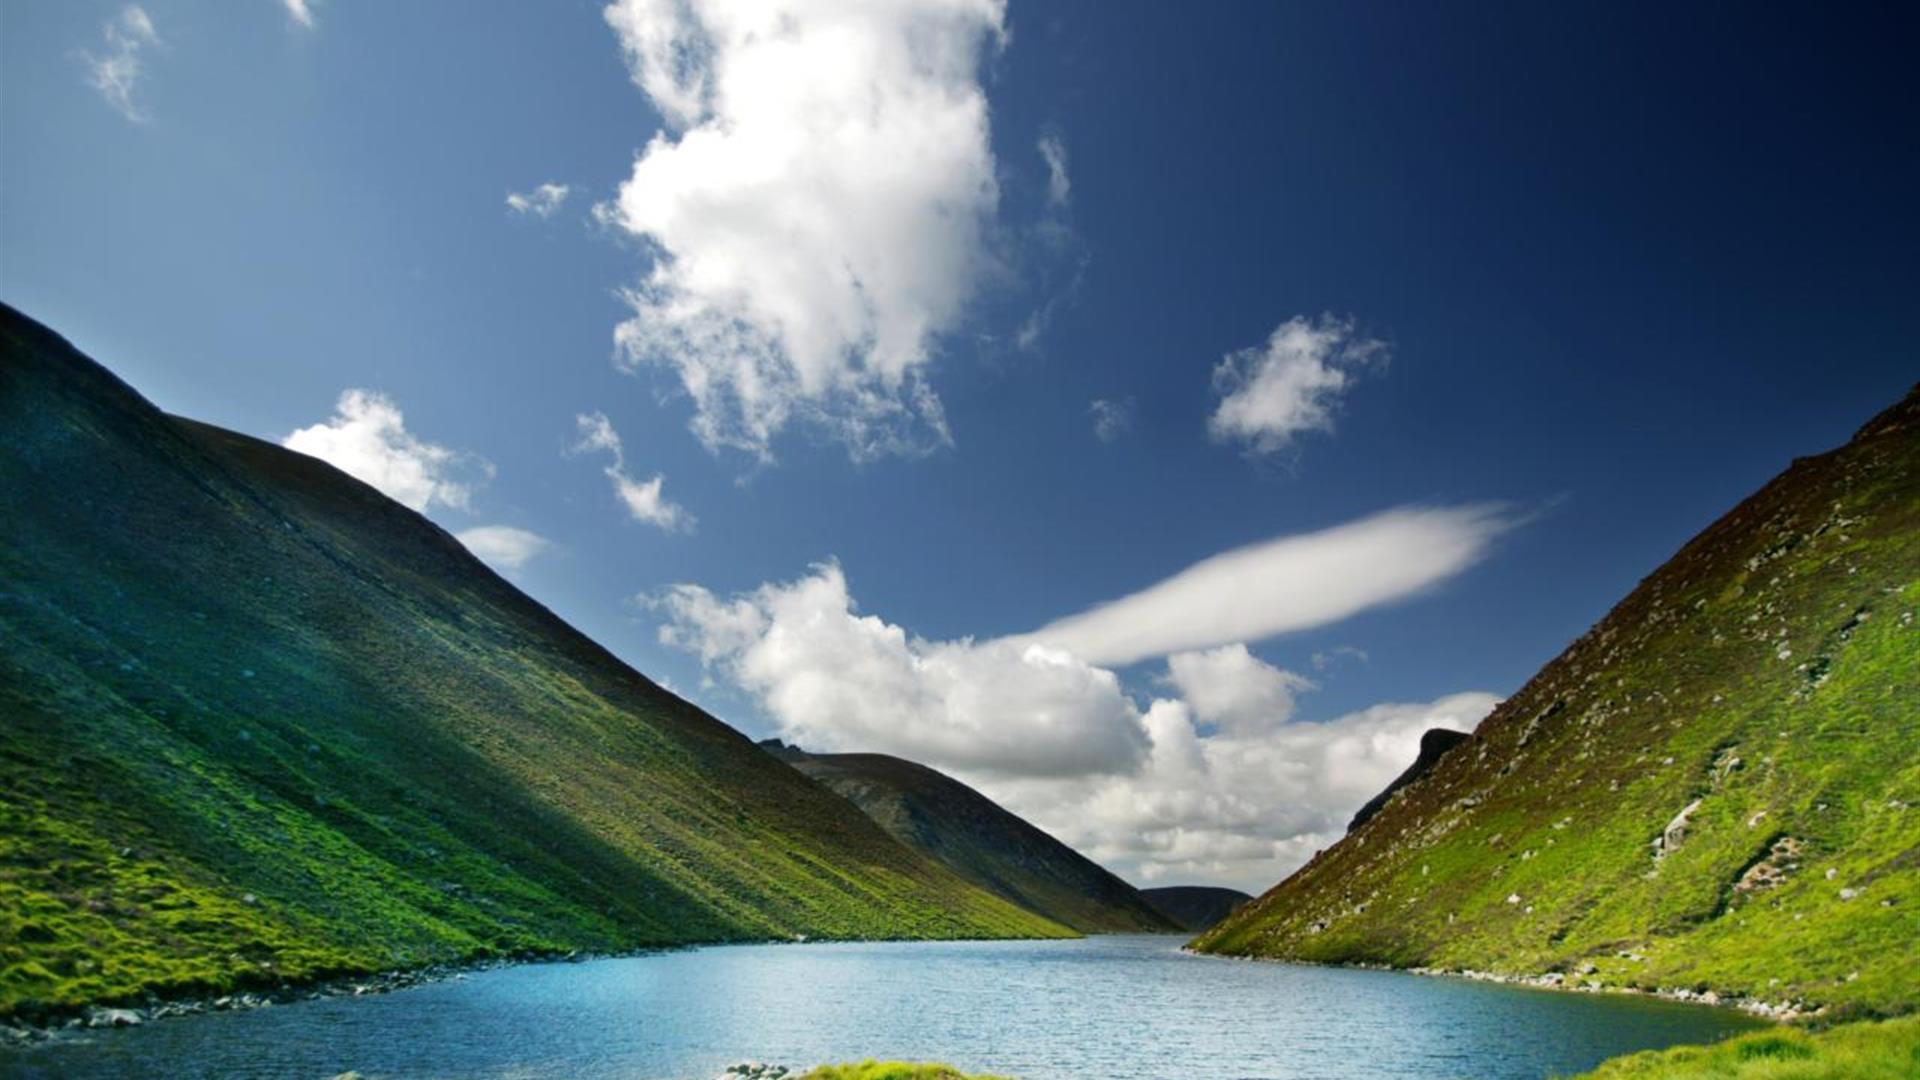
pixel 1573 279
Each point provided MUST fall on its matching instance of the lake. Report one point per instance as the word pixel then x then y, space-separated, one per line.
pixel 1116 1006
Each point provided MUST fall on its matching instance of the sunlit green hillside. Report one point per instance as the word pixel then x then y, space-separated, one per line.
pixel 1716 788
pixel 259 722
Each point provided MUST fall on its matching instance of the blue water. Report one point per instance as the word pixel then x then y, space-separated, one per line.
pixel 1126 1006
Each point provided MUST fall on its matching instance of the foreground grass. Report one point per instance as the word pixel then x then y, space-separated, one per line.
pixel 892 1070
pixel 1889 1050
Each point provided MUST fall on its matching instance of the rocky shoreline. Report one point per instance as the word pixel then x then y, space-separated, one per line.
pixel 66 1022
pixel 1779 1012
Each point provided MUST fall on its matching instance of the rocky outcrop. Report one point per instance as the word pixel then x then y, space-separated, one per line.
pixel 1433 744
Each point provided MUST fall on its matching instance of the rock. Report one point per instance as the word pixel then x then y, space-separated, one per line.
pixel 1675 833
pixel 1434 743
pixel 115 1018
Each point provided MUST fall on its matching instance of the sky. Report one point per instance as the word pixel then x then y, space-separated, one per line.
pixel 1154 415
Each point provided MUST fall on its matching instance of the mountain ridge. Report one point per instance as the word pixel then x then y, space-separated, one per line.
pixel 946 820
pixel 1195 907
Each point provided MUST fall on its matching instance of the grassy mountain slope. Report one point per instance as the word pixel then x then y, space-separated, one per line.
pixel 259 722
pixel 939 816
pixel 1195 907
pixel 1715 787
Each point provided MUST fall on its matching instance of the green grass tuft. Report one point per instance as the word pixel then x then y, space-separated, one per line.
pixel 1888 1050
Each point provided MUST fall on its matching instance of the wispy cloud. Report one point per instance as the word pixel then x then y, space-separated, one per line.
pixel 1286 584
pixel 1053 150
pixel 818 210
pixel 644 499
pixel 503 546
pixel 542 202
pixel 117 69
pixel 300 11
pixel 1273 393
pixel 1111 418
pixel 367 438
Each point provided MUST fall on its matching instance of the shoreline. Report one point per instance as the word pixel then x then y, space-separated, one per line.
pixel 64 1021
pixel 76 1020
pixel 1784 1012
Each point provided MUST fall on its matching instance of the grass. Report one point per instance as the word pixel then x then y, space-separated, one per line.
pixel 1768 673
pixel 260 724
pixel 893 1070
pixel 1887 1050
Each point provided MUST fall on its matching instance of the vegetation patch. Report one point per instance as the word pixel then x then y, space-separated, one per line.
pixel 1887 1050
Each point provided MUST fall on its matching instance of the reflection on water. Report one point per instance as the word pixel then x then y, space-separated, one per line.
pixel 1126 1006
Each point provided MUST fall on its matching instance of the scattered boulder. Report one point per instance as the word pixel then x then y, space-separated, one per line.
pixel 1675 833
pixel 115 1018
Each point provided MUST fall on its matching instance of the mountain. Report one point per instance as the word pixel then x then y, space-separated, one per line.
pixel 1717 787
pixel 1195 907
pixel 1433 743
pixel 940 817
pixel 259 722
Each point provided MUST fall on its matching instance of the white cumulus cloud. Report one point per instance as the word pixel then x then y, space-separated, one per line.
pixel 1273 393
pixel 503 546
pixel 1285 584
pixel 644 499
pixel 835 679
pixel 817 212
pixel 115 71
pixel 1237 809
pixel 1235 690
pixel 543 201
pixel 367 438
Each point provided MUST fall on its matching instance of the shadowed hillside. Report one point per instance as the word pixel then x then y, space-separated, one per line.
pixel 1195 907
pixel 259 722
pixel 999 851
pixel 1717 787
